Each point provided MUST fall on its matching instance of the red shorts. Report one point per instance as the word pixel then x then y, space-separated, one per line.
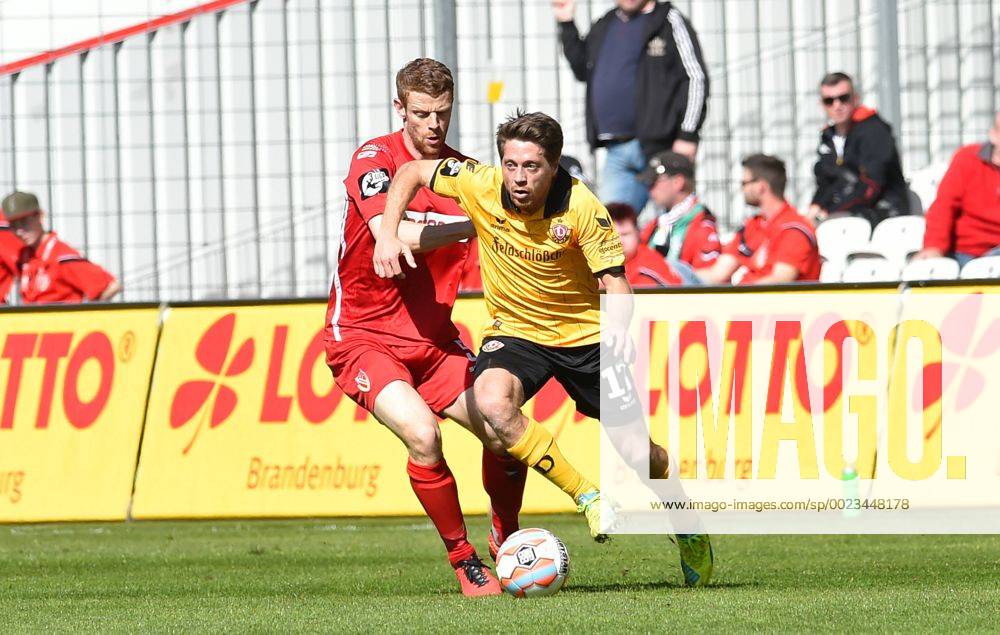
pixel 362 365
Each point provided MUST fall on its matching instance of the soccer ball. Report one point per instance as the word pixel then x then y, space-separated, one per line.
pixel 532 562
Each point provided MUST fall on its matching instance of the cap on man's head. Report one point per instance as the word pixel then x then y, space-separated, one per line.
pixel 19 204
pixel 666 163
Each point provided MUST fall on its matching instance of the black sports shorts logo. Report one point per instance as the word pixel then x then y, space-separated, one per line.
pixel 373 182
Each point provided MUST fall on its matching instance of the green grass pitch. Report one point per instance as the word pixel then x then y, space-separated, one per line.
pixel 366 574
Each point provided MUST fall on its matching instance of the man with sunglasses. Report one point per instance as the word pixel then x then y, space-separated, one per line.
pixel 858 171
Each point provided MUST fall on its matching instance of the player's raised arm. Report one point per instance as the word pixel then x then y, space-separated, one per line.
pixel 404 187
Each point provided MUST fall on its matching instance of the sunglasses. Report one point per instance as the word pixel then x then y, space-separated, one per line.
pixel 846 97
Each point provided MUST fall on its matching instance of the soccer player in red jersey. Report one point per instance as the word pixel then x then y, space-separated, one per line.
pixel 391 343
pixel 49 269
pixel 777 245
pixel 645 268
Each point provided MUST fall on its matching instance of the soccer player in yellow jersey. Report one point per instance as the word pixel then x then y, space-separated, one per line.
pixel 544 243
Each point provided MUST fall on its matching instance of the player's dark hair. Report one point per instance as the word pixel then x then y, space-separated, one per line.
pixel 769 169
pixel 424 75
pixel 536 127
pixel 832 79
pixel 623 212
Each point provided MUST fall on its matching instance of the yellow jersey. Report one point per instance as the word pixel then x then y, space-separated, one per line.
pixel 539 270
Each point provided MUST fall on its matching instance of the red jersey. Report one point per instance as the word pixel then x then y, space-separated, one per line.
pixel 10 250
pixel 687 233
pixel 472 278
pixel 647 269
pixel 418 307
pixel 788 238
pixel 965 215
pixel 55 272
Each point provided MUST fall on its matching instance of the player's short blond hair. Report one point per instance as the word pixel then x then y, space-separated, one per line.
pixel 424 75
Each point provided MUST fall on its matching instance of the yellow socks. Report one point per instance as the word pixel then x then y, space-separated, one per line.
pixel 537 449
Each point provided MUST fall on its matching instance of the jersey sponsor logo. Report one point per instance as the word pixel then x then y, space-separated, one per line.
pixel 373 182
pixel 533 255
pixel 559 233
pixel 362 381
pixel 471 166
pixel 610 247
pixel 492 345
pixel 367 154
pixel 451 167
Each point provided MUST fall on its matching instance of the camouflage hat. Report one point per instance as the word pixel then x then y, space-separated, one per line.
pixel 19 204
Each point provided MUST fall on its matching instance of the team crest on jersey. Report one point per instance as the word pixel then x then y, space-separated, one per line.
pixel 364 384
pixel 559 233
pixel 492 345
pixel 657 47
pixel 373 182
pixel 42 280
pixel 451 167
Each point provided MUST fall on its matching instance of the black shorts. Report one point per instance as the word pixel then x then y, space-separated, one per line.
pixel 577 368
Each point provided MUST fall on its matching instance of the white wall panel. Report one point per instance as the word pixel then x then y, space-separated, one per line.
pixel 242 223
pixel 67 208
pixel 140 245
pixel 170 165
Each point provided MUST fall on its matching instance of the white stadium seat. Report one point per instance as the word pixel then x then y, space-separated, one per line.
pixel 897 238
pixel 831 271
pixel 931 269
pixel 924 183
pixel 981 268
pixel 870 270
pixel 838 237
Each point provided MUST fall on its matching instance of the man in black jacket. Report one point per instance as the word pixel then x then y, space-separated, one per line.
pixel 858 170
pixel 647 86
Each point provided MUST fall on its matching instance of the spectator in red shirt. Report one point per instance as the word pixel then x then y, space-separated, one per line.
pixel 10 249
pixel 644 267
pixel 778 244
pixel 685 232
pixel 50 270
pixel 964 220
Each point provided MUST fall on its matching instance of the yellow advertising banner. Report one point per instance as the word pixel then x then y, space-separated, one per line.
pixel 73 388
pixel 842 414
pixel 244 420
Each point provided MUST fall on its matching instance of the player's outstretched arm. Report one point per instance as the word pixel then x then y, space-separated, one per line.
pixel 388 247
pixel 420 237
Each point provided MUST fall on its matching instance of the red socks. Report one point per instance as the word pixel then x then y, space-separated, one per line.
pixel 503 479
pixel 435 488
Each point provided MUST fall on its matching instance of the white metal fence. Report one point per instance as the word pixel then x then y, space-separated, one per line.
pixel 202 159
